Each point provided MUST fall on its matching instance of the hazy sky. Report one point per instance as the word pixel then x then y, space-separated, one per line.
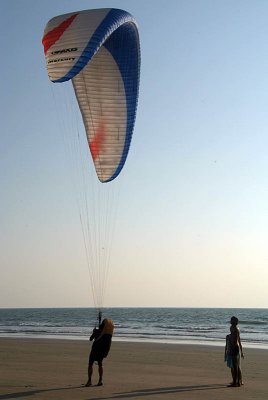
pixel 192 223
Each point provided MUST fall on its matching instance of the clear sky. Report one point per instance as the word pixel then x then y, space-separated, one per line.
pixel 192 223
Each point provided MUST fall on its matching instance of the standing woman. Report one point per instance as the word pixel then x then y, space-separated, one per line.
pixel 236 349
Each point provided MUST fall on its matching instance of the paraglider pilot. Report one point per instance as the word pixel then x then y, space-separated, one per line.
pixel 102 337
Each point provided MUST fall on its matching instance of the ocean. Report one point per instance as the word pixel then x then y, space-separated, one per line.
pixel 208 326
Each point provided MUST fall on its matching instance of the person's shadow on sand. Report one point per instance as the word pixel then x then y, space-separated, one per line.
pixel 160 390
pixel 26 393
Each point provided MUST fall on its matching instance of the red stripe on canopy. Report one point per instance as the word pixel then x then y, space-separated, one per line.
pixel 51 37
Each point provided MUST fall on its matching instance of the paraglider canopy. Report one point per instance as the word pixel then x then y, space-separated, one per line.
pixel 99 51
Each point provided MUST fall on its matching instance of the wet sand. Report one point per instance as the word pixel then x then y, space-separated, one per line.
pixel 57 369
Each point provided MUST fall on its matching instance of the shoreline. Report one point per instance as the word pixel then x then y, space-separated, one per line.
pixel 210 343
pixel 57 369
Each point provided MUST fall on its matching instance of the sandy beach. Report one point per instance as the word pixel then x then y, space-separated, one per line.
pixel 57 369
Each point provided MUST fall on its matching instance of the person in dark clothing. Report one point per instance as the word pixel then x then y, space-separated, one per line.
pixel 235 350
pixel 102 337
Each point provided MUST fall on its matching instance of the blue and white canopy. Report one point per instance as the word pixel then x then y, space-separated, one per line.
pixel 99 50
